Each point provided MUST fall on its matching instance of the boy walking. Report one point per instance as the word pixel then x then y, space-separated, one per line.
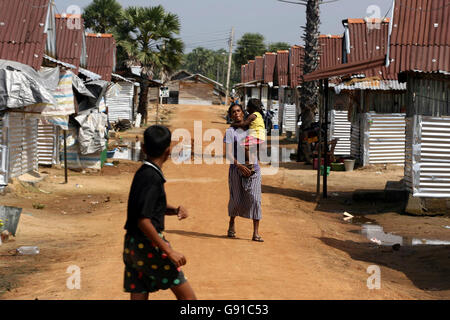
pixel 150 262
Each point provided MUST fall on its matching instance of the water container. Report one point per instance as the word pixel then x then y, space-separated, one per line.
pixel 349 164
pixel 27 250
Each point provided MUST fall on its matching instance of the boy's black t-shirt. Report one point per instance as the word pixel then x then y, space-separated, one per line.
pixel 147 199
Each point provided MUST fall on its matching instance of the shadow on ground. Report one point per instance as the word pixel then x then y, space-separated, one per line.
pixel 358 202
pixel 426 266
pixel 200 234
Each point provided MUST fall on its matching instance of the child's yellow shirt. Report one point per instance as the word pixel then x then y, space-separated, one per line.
pixel 257 128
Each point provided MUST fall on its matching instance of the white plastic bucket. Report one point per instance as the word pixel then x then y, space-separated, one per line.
pixel 349 164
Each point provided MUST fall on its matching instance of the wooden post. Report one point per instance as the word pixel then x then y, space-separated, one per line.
pixel 65 157
pixel 319 151
pixel 325 160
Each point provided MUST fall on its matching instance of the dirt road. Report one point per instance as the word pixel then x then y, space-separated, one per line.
pixel 308 253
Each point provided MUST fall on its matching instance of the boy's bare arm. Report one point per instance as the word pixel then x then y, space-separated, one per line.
pixel 146 226
pixel 180 211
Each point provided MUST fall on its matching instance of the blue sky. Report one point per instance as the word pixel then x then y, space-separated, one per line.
pixel 208 23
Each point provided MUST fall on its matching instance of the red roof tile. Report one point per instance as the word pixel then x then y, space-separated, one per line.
pixel 22 37
pixel 101 54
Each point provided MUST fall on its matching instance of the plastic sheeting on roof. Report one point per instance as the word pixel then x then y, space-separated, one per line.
pixel 62 63
pixel 21 86
pixel 371 85
pixel 90 74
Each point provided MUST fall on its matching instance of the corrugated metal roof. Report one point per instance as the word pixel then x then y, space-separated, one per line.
pixel 370 85
pixel 70 43
pixel 420 39
pixel 101 52
pixel 330 51
pixel 282 68
pixel 259 68
pixel 365 39
pixel 22 27
pixel 270 58
pixel 251 70
pixel 346 69
pixel 296 58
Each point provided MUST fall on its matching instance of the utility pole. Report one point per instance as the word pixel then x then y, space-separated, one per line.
pixel 229 65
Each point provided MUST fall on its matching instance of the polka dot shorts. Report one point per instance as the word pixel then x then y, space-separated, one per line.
pixel 147 268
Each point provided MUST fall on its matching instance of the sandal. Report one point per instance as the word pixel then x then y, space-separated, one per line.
pixel 257 239
pixel 231 234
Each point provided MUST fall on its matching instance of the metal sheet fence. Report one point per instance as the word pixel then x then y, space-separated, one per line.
pixel 289 118
pixel 48 144
pixel 22 144
pixel 121 106
pixel 384 138
pixel 427 172
pixel 355 139
pixel 340 129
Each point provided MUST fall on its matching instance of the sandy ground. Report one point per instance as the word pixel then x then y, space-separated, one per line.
pixel 309 251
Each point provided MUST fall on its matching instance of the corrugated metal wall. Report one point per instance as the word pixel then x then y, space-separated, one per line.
pixel 22 144
pixel 340 128
pixel 386 102
pixel 289 118
pixel 3 157
pixel 48 144
pixel 427 172
pixel 428 97
pixel 384 138
pixel 121 107
pixel 355 139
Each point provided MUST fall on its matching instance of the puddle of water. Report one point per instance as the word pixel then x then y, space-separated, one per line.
pixel 375 232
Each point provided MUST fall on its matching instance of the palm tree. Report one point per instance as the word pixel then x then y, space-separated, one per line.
pixel 102 16
pixel 147 35
pixel 309 92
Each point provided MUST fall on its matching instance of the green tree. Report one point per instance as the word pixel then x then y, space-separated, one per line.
pixel 248 47
pixel 210 63
pixel 148 36
pixel 274 47
pixel 200 60
pixel 102 16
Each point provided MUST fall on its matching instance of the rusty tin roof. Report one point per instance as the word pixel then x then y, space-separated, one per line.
pixel 70 39
pixel 282 68
pixel 101 54
pixel 270 59
pixel 420 39
pixel 365 39
pixel 251 70
pixel 22 31
pixel 330 50
pixel 259 68
pixel 296 59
